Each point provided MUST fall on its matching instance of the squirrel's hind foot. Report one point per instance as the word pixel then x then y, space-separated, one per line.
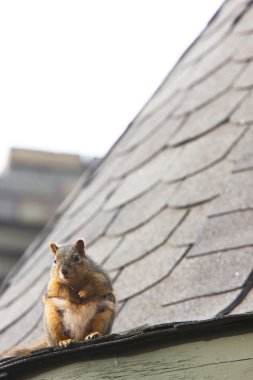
pixel 93 335
pixel 65 342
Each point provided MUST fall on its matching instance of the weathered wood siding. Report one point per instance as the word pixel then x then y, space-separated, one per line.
pixel 228 357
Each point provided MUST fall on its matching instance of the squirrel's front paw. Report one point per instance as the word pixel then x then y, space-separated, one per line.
pixel 96 334
pixel 65 342
pixel 82 294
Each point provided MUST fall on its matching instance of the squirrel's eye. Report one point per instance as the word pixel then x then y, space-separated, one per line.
pixel 76 258
pixel 55 261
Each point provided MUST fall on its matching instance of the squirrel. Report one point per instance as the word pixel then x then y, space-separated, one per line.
pixel 79 303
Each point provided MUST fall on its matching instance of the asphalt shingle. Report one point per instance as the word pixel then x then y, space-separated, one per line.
pixel 102 248
pixel 148 149
pixel 132 280
pixel 245 26
pixel 145 238
pixel 153 120
pixel 143 179
pixel 94 229
pixel 21 328
pixel 235 196
pixel 229 11
pixel 215 85
pixel 205 275
pixel 147 206
pixel 207 118
pixel 148 309
pixel 224 232
pixel 188 231
pixel 245 80
pixel 245 48
pixel 202 187
pixel 204 152
pixel 23 303
pixel 244 114
pixel 246 305
pixel 204 46
pixel 241 156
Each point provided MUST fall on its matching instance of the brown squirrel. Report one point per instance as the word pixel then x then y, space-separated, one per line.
pixel 79 303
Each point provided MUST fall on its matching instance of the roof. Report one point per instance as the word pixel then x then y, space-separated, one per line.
pixel 187 346
pixel 169 210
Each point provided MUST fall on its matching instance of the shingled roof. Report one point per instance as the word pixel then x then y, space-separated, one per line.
pixel 169 211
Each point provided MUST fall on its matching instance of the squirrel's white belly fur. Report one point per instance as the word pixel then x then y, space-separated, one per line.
pixel 76 322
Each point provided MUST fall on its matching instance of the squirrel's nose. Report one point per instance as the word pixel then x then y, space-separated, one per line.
pixel 64 271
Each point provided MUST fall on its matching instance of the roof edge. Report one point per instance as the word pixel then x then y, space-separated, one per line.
pixel 167 333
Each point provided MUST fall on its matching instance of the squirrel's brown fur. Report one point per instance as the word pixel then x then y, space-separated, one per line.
pixel 79 303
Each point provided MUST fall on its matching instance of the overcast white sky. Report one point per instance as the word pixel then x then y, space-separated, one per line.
pixel 74 73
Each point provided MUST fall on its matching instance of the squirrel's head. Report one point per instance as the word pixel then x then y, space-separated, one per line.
pixel 70 261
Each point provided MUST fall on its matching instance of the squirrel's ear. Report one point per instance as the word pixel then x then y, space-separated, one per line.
pixel 80 246
pixel 53 247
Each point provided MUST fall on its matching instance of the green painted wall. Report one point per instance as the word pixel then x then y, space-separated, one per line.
pixel 220 358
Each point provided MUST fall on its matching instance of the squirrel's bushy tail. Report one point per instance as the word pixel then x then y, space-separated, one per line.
pixel 25 351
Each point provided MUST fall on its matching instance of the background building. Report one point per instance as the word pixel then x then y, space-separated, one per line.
pixel 31 188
